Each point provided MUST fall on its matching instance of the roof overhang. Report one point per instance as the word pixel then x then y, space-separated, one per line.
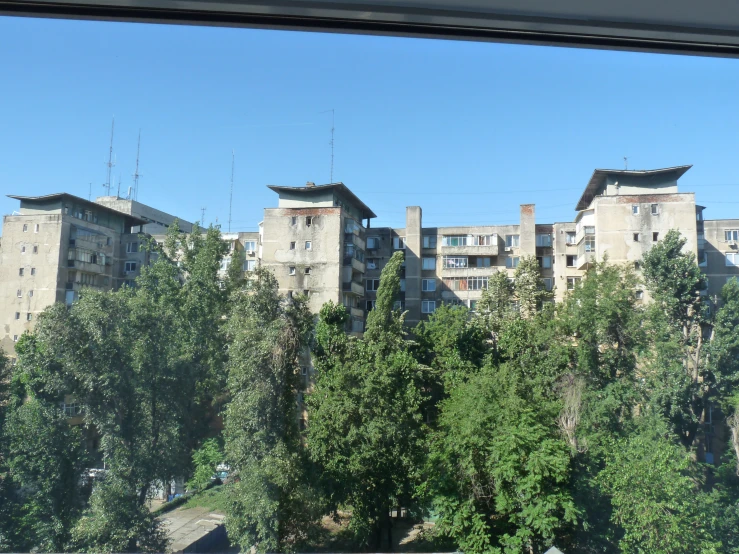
pixel 61 195
pixel 710 27
pixel 341 188
pixel 599 177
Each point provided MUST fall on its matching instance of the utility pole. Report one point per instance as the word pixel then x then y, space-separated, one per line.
pixel 111 162
pixel 231 198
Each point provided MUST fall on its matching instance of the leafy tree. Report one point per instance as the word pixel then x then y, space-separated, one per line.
pixel 495 305
pixel 723 351
pixel 365 430
pixel 272 504
pixel 529 287
pixel 679 376
pixel 502 469
pixel 655 494
pixel 205 461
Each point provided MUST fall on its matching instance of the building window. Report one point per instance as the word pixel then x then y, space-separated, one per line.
pixel 372 284
pixel 545 262
pixel 512 262
pixel 19 294
pixel 307 271
pixel 373 243
pixel 372 263
pixel 399 243
pixel 20 272
pixel 308 221
pixel 731 235
pixel 456 240
pixel 473 305
pixel 29 316
pixel 72 409
pixel 428 263
pixel 292 246
pixel 570 238
pixel 428 306
pixel 544 240
pixel 428 285
pixel 572 282
pixel 250 265
pixel 635 209
pixel 702 258
pixel 398 305
pixel 655 209
pixel 639 294
pixel 483 261
pixel 637 266
pixel 655 237
pixel 306 292
pixel 292 270
pixel 17 315
pixel 250 246
pixel 732 259
pixel 15 338
pixel 293 220
pixel 308 245
pixel 132 247
pixel 25 227
pixel 512 240
pixel 129 267
pixel 636 237
pixel 33 271
pixel 402 285
pixel 370 305
pixel 547 283
pixel 454 262
pixel 35 249
pixel 429 241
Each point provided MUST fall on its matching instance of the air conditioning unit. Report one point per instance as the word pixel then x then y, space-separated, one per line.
pixel 508 248
pixel 732 244
pixel 250 253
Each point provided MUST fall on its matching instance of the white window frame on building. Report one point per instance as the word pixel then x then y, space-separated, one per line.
pixel 654 209
pixel 483 261
pixel 512 240
pixel 250 246
pixel 372 285
pixel 250 265
pixel 732 259
pixel 291 270
pixel 454 262
pixel 399 243
pixel 429 241
pixel 428 306
pixel 373 243
pixel 570 238
pixel 635 209
pixel 731 235
pixel 639 295
pixel 36 228
pixel 428 263
pixel 293 245
pixel 547 283
pixel 545 262
pixel 133 247
pixel 512 262
pixel 129 267
pixel 308 245
pixel 428 285
pixel 572 282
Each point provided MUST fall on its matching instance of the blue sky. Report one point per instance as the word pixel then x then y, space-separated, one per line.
pixel 466 130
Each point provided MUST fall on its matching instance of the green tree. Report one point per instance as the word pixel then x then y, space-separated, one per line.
pixel 495 305
pixel 205 461
pixel 529 287
pixel 365 430
pixel 273 505
pixel 679 377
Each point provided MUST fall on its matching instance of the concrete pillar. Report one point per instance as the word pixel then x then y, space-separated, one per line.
pixel 528 230
pixel 413 243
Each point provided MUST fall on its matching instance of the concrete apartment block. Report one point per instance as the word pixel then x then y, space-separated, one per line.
pixel 157 221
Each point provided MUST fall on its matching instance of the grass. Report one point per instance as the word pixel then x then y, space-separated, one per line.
pixel 213 498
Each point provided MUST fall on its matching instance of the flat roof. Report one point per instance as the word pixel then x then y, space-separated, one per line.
pixel 340 187
pixel 61 195
pixel 599 177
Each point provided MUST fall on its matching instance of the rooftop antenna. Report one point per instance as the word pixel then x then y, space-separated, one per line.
pixel 231 199
pixel 89 196
pixel 111 162
pixel 626 162
pixel 202 216
pixel 331 143
pixel 120 178
pixel 136 173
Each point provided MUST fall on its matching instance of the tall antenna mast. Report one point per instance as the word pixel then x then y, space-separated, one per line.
pixel 331 142
pixel 136 173
pixel 231 198
pixel 120 178
pixel 110 163
pixel 202 216
pixel 626 162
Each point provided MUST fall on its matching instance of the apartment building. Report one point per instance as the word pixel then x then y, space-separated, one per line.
pixel 57 244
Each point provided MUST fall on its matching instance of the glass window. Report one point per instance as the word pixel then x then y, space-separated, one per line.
pixel 373 243
pixel 132 247
pixel 572 282
pixel 20 272
pixel 635 209
pixel 512 262
pixel 373 284
pixel 731 235
pixel 250 265
pixel 655 237
pixel 732 259
pixel 570 238
pixel 292 246
pixel 402 285
pixel 590 243
pixel 429 241
pixel 455 240
pixel 372 263
pixel 639 294
pixel 546 262
pixel 636 237
pixel 398 305
pixel 308 245
pixel 453 262
pixel 25 227
pixel 291 270
pixel 544 240
pixel 655 209
pixel 483 261
pixel 428 285
pixel 250 246
pixel 511 240
pixel 370 305
pixel 129 267
pixel 399 243
pixel 429 263
pixel 428 306
pixel 547 283
pixel 293 220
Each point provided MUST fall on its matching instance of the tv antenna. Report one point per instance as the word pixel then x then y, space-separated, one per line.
pixel 231 198
pixel 120 178
pixel 136 173
pixel 202 216
pixel 331 143
pixel 111 161
pixel 626 162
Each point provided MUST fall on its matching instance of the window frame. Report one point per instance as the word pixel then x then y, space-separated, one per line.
pixel 425 285
pixel 129 267
pixel 425 304
pixel 309 245
pixel 426 259
pixel 397 241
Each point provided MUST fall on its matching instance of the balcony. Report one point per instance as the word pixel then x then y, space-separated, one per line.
pixel 584 231
pixel 354 263
pixel 353 287
pixel 356 240
pixel 469 245
pixel 585 253
pixel 356 313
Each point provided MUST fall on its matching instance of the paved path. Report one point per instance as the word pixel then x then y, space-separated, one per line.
pixel 186 526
